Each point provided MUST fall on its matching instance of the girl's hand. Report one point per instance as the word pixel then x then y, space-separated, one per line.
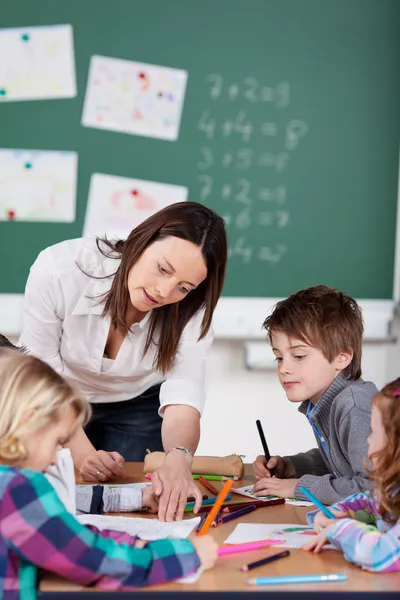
pixel 172 484
pixel 322 522
pixel 316 544
pixel 149 500
pixel 102 466
pixel 207 549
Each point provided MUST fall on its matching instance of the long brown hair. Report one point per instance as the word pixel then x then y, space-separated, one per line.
pixel 386 473
pixel 188 221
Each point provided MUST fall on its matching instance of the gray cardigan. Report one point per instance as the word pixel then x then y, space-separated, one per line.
pixel 342 416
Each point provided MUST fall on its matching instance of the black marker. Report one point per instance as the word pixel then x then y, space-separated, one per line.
pixel 264 445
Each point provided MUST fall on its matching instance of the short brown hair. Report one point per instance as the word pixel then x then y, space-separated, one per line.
pixel 324 318
pixel 386 474
pixel 188 221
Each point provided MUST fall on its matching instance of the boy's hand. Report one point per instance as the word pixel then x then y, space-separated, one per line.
pixel 149 500
pixel 207 549
pixel 284 468
pixel 322 522
pixel 272 486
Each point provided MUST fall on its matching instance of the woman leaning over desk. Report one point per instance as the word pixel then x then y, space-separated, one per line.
pixel 129 323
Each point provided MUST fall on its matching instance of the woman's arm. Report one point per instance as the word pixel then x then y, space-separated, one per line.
pixel 173 481
pixel 41 321
pixel 182 398
pixel 89 461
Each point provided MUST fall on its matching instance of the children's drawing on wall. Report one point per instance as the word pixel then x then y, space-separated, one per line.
pixel 37 63
pixel 37 185
pixel 116 205
pixel 134 98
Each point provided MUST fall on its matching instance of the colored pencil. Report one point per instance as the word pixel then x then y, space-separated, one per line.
pixel 209 486
pixel 213 512
pixel 232 505
pixel 217 518
pixel 265 561
pixel 298 579
pixel 206 501
pixel 206 477
pixel 246 547
pixel 317 503
pixel 214 477
pixel 191 498
pixel 228 506
pixel 264 445
pixel 200 524
pixel 238 513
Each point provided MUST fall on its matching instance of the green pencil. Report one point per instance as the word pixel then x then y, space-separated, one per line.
pixel 212 477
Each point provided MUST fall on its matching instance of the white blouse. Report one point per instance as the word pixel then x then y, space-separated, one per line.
pixel 62 325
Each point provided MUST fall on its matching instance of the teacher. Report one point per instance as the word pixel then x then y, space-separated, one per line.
pixel 129 324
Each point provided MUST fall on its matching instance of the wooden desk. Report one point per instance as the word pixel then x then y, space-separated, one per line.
pixel 226 576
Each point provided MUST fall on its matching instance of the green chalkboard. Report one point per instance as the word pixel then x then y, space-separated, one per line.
pixel 290 130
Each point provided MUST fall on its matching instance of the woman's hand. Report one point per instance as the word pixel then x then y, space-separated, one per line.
pixel 102 466
pixel 173 484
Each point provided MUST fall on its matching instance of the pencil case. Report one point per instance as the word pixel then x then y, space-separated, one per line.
pixel 229 466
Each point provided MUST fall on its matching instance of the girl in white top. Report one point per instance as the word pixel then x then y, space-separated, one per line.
pixel 119 319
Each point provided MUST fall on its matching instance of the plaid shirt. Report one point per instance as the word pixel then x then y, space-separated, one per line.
pixel 37 532
pixel 367 540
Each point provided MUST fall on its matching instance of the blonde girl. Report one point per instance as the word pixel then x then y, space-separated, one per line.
pixel 39 412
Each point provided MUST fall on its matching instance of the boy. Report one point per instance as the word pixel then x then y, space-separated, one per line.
pixel 92 498
pixel 316 336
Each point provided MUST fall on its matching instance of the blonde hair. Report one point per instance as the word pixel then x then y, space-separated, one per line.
pixel 29 384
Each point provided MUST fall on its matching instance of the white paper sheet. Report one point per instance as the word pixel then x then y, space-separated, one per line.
pixel 116 205
pixel 247 491
pixel 37 63
pixel 146 529
pixel 136 98
pixel 254 532
pixel 37 185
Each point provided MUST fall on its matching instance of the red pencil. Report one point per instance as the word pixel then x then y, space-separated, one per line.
pixel 209 486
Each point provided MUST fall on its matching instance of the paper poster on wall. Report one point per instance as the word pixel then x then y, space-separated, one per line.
pixel 37 63
pixel 136 98
pixel 37 185
pixel 116 205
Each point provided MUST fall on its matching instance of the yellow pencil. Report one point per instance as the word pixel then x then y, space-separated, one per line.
pixel 213 512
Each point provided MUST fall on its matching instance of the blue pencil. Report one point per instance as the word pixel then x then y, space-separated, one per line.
pixel 298 579
pixel 318 504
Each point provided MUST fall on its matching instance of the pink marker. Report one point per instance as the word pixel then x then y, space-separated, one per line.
pixel 148 476
pixel 247 547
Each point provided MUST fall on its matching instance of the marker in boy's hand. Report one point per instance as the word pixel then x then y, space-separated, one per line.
pixel 283 467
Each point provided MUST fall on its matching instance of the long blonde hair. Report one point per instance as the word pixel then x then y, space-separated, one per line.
pixel 27 383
